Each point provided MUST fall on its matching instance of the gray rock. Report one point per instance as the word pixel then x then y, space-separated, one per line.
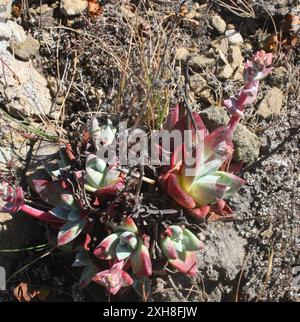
pixel 223 253
pixel 26 49
pixel 218 23
pixel 271 104
pixel 200 87
pixel 12 31
pixel 234 37
pixel 42 153
pixel 213 117
pixel 14 148
pixel 235 57
pixel 246 143
pixel 24 89
pixel 225 72
pixel 73 7
pixel 221 45
pixel 199 61
pixel 198 83
pixel 5 10
pixel 279 76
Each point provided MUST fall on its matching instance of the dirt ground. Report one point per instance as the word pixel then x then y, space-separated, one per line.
pixel 105 60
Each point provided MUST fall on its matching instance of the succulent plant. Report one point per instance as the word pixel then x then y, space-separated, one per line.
pixel 101 179
pixel 76 188
pixel 114 278
pixel 126 244
pixel 101 134
pixel 208 184
pixel 254 71
pixel 179 245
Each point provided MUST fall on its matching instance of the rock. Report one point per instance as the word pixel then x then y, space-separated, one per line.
pixel 271 104
pixel 218 23
pixel 235 57
pixel 5 10
pixel 73 7
pixel 199 61
pixel 24 89
pixel 12 31
pixel 200 87
pixel 236 61
pixel 25 49
pixel 14 148
pixel 246 143
pixel 198 83
pixel 223 253
pixel 182 54
pixel 226 72
pixel 213 117
pixel 221 45
pixel 234 37
pixel 279 76
pixel 42 153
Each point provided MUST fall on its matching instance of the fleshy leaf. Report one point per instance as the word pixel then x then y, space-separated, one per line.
pixel 190 241
pixel 168 248
pixel 127 225
pixel 123 251
pixel 52 193
pixel 114 278
pixel 140 261
pixel 218 144
pixel 60 212
pixel 104 133
pixel 263 74
pixel 177 193
pixel 95 168
pixel 207 190
pixel 185 263
pixel 107 248
pixel 74 215
pixel 231 181
pixel 199 213
pixel 70 231
pixel 129 238
pixel 90 188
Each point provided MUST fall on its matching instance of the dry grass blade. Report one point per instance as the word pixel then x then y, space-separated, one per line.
pixel 240 8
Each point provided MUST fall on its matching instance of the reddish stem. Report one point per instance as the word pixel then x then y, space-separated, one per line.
pixel 39 214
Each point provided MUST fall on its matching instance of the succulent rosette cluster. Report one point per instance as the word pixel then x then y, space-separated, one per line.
pixel 118 253
pixel 179 245
pixel 208 184
pixel 125 243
